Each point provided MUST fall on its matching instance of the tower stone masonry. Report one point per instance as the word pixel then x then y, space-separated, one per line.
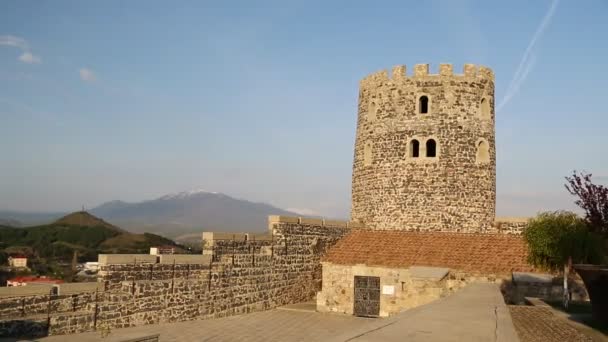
pixel 425 156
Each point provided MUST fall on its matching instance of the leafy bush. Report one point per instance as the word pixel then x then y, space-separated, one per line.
pixel 553 237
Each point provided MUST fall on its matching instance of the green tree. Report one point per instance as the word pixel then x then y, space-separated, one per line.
pixel 554 237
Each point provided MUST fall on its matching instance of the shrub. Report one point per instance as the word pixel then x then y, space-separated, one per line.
pixel 553 237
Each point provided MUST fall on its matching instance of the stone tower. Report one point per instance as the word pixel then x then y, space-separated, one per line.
pixel 425 156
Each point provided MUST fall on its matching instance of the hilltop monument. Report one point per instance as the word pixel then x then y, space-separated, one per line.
pixel 425 156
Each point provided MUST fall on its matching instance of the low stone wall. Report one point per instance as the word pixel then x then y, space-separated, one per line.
pixel 400 288
pixel 243 273
pixel 108 259
pixel 112 276
pixel 510 225
pixel 20 291
pixel 515 292
pixel 404 288
pixel 76 288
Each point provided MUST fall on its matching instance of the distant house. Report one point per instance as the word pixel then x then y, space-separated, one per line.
pixel 162 250
pixel 92 266
pixel 17 261
pixel 32 280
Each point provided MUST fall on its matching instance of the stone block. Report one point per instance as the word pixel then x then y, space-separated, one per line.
pixel 259 237
pixel 283 219
pixel 311 221
pixel 335 223
pixel 445 69
pixel 185 259
pixel 528 277
pixel 29 290
pixel 107 259
pixel 421 70
pixel 399 72
pixel 470 70
pixel 512 219
pixel 214 236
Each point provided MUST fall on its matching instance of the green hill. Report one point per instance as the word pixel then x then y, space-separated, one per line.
pixel 81 232
pixel 84 219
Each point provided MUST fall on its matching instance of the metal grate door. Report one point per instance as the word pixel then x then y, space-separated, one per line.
pixel 367 296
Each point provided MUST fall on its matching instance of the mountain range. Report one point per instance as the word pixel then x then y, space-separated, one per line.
pixel 175 214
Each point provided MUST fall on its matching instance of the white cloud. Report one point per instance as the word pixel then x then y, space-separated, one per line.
pixel 20 43
pixel 87 75
pixel 17 42
pixel 28 58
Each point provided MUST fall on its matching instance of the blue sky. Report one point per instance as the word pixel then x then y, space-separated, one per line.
pixel 135 99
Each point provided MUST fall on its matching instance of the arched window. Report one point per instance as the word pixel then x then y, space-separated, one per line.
pixel 484 108
pixel 367 154
pixel 431 148
pixel 423 104
pixel 483 152
pixel 371 111
pixel 414 148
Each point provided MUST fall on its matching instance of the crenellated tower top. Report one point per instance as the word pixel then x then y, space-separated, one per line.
pixel 399 73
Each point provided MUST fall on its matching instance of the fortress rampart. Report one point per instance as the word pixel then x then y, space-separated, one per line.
pixel 425 155
pixel 239 273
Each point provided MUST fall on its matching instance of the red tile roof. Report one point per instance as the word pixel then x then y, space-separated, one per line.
pixel 34 279
pixel 474 253
pixel 18 256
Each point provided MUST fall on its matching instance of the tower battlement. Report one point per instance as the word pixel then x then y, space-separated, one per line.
pixel 399 73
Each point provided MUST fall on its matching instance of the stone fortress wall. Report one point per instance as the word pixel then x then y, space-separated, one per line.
pixel 238 273
pixel 425 150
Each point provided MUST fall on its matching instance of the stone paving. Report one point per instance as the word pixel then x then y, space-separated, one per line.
pixel 275 325
pixel 539 324
pixel 475 313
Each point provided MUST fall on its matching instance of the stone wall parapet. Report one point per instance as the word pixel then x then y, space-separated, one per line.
pixel 511 225
pixel 30 290
pixel 106 259
pixel 311 221
pixel 184 259
pixel 399 73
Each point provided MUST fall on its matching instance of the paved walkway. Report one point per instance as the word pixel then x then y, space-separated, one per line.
pixel 475 313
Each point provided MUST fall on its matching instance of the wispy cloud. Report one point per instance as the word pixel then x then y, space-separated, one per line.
pixel 528 60
pixel 22 44
pixel 17 42
pixel 87 75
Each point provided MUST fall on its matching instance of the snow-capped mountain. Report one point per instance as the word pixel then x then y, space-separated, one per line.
pixel 188 211
pixel 185 194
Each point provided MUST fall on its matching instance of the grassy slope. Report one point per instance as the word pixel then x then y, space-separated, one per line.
pixel 80 232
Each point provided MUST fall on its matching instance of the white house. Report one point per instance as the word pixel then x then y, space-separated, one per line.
pixel 17 261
